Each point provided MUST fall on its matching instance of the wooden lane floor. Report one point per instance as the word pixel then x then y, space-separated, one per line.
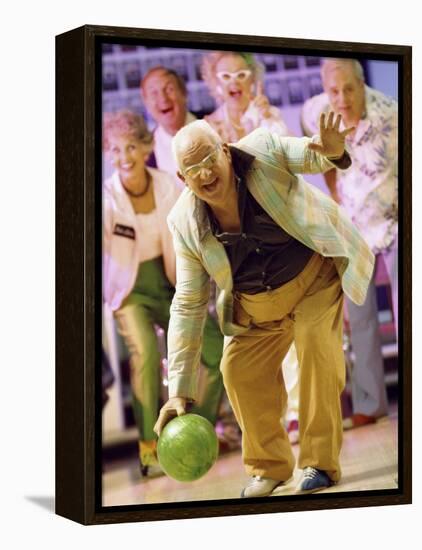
pixel 369 462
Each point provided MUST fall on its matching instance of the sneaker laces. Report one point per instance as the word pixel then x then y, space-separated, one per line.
pixel 254 479
pixel 310 473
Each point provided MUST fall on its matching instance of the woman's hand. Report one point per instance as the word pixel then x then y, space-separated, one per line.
pixel 261 102
pixel 331 139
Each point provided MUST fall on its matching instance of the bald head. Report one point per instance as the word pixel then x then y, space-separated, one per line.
pixel 194 139
pixel 205 165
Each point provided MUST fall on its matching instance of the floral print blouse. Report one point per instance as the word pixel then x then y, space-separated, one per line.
pixel 369 188
pixel 251 120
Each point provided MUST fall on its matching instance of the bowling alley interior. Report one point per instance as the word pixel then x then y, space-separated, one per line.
pixel 369 453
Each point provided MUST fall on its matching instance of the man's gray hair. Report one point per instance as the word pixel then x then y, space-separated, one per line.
pixel 185 134
pixel 335 63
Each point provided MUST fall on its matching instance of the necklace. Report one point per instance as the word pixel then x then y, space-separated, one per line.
pixel 237 127
pixel 142 193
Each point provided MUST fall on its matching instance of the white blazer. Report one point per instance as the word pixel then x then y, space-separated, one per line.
pixel 121 237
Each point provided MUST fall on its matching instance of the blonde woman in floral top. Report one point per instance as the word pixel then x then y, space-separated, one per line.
pixel 235 81
pixel 368 191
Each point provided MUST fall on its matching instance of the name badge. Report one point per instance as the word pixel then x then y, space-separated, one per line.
pixel 124 231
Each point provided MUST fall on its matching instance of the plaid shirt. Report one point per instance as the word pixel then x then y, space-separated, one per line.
pixel 300 209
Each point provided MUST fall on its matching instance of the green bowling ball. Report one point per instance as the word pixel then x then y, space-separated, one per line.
pixel 187 447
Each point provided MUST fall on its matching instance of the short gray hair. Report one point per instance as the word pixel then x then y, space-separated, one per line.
pixel 185 133
pixel 126 123
pixel 332 62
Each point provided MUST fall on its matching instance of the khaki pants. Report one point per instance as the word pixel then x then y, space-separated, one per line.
pixel 308 310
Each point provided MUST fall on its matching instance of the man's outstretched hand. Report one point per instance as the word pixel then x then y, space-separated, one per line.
pixel 332 140
pixel 175 406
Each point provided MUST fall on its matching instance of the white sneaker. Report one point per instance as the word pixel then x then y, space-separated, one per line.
pixel 260 487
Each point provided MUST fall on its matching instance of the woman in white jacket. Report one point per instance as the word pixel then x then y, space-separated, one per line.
pixel 139 272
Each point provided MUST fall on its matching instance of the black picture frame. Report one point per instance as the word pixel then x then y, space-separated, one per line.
pixel 78 275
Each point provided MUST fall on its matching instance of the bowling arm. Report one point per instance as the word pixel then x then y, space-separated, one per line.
pixel 175 406
pixel 188 314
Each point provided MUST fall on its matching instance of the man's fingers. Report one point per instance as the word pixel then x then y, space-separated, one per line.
pixel 337 122
pixel 180 410
pixel 166 414
pixel 330 119
pixel 321 124
pixel 164 417
pixel 157 427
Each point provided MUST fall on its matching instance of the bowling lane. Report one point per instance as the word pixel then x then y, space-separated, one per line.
pixel 368 458
pixel 125 485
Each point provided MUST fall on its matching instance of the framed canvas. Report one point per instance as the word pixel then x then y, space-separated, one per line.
pixel 101 473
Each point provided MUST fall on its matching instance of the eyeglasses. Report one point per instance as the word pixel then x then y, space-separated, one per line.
pixel 194 170
pixel 241 76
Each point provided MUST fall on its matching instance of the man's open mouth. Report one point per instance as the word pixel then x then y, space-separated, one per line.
pixel 210 186
pixel 166 111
